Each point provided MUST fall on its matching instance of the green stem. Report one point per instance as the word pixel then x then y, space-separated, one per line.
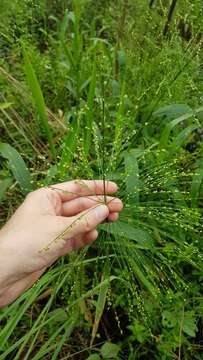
pixel 103 142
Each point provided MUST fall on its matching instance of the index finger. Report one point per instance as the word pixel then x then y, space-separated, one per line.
pixel 76 188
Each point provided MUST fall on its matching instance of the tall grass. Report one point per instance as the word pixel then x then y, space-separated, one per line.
pixel 39 101
pixel 109 132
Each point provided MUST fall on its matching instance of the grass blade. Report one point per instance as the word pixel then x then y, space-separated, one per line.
pixel 70 324
pixel 89 113
pixel 4 185
pixel 173 111
pixel 17 166
pixel 101 301
pixel 181 138
pixel 132 175
pixel 127 231
pixel 70 144
pixel 51 344
pixel 119 126
pixel 172 124
pixel 38 101
pixel 5 105
pixel 196 186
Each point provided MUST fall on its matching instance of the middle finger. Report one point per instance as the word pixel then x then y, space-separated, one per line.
pixel 75 206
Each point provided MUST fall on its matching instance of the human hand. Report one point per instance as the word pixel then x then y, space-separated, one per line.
pixel 50 223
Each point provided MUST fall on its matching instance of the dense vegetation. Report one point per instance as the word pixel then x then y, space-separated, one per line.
pixel 122 82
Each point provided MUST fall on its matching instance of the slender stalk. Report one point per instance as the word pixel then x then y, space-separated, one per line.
pixel 151 3
pixel 170 16
pixel 120 33
pixel 180 334
pixel 103 141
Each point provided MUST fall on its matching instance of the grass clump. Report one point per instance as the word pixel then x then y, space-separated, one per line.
pixel 104 91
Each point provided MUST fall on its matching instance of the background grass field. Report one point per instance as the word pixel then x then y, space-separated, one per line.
pixel 110 90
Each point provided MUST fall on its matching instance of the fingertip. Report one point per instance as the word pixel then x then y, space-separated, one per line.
pixel 91 236
pixel 119 205
pixel 116 204
pixel 113 217
pixel 115 186
pixel 112 187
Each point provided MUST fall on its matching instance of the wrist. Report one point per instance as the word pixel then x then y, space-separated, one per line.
pixel 8 271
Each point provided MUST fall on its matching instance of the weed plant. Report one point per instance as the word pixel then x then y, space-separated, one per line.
pixel 97 90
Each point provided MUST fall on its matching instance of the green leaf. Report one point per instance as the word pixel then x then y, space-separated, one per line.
pixel 181 138
pixel 143 278
pixel 69 327
pixel 54 342
pixel 132 175
pixel 5 105
pixel 51 173
pixel 140 333
pixel 189 325
pixel 172 124
pixel 17 166
pixel 115 88
pixel 64 25
pixel 121 58
pixel 172 111
pixel 123 229
pixel 169 127
pixel 4 185
pixel 110 350
pixel 119 126
pixel 144 241
pixel 169 319
pixel 101 301
pixel 58 315
pixel 70 144
pixel 196 186
pixel 89 113
pixel 68 54
pixel 38 100
pixel 94 357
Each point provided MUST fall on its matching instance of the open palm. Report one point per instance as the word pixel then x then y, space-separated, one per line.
pixel 50 223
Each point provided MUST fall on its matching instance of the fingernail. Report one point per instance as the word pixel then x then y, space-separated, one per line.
pixel 102 212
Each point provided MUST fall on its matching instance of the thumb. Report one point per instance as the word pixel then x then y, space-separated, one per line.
pixel 85 221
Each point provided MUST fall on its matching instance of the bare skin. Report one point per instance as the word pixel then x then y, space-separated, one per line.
pixel 50 223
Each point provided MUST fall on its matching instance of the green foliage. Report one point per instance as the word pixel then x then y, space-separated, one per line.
pixel 100 303
pixel 172 124
pixel 4 185
pixel 109 350
pixel 122 103
pixel 39 101
pixel 17 167
pixel 196 186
